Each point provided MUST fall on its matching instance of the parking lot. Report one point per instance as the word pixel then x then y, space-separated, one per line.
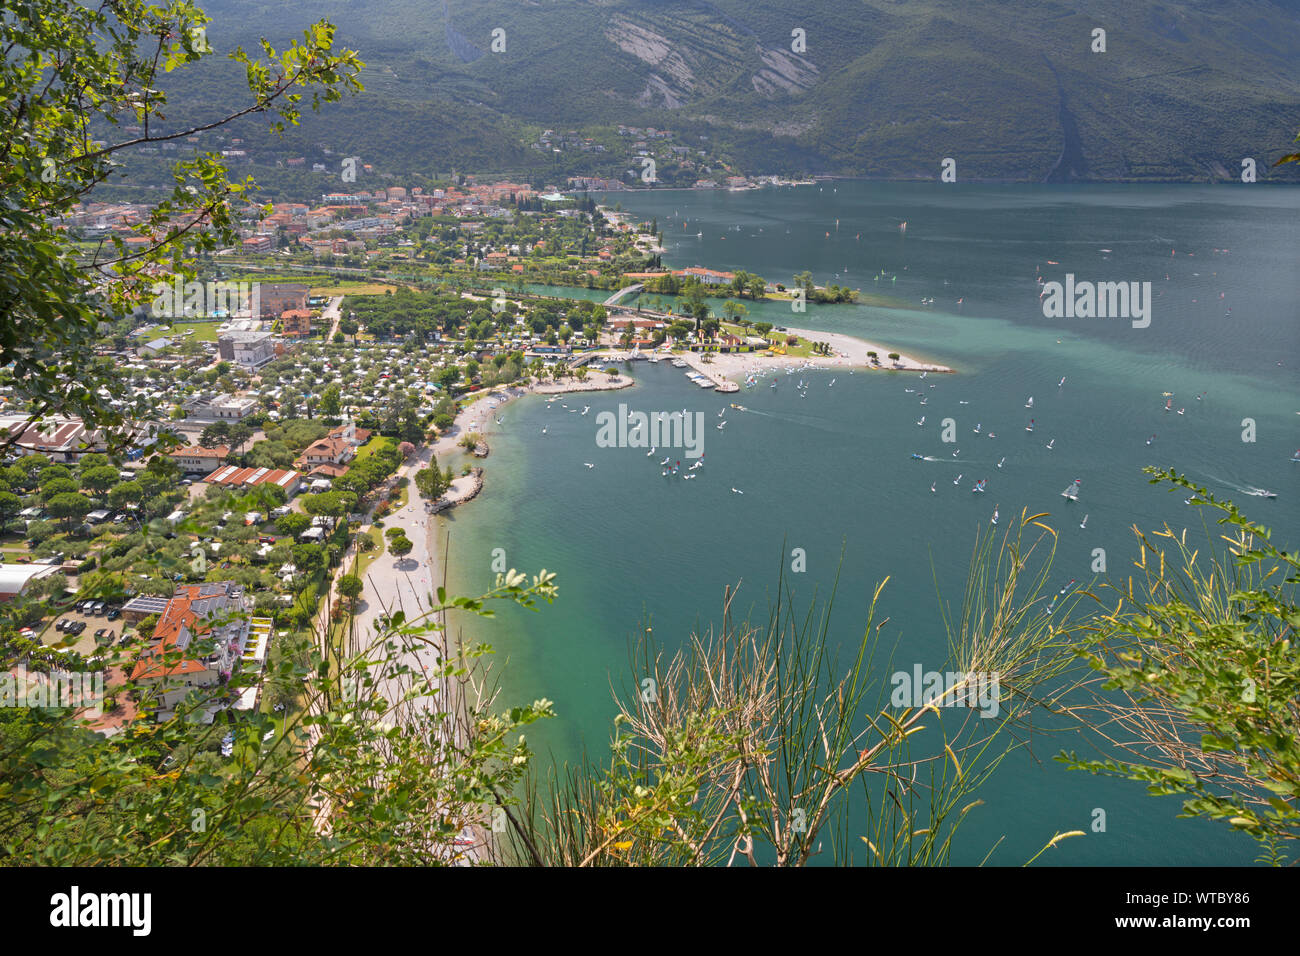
pixel 85 641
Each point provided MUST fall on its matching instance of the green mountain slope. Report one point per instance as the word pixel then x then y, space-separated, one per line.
pixel 1008 88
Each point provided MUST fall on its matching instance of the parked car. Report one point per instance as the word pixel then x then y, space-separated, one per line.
pixel 114 613
pixel 63 624
pixel 100 633
pixel 97 607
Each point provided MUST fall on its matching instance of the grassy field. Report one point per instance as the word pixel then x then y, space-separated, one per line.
pixel 353 288
pixel 203 331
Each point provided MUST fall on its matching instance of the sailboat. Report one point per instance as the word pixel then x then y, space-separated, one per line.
pixel 1050 444
pixel 956 480
pixel 1061 383
pixel 1030 403
pixel 1151 439
pixel 979 485
pixel 1296 456
pixel 1084 522
pixel 1168 403
pixel 978 426
pixel 1182 411
pixel 1030 426
pixel 922 422
pixel 1000 463
pixel 994 519
pixel 1073 491
pixel 918 457
pixel 932 484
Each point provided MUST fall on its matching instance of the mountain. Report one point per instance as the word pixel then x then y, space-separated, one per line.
pixel 1011 90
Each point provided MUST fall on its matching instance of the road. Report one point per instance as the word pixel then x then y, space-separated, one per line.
pixel 333 313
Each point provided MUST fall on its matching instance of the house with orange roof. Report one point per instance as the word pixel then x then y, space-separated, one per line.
pixel 201 638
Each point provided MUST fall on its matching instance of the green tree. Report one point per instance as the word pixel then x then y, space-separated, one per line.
pixel 430 481
pixel 400 546
pixel 10 505
pixel 350 587
pixel 1202 682
pixel 69 508
pixel 293 524
pixel 100 479
pixel 218 433
pixel 331 401
pixel 70 73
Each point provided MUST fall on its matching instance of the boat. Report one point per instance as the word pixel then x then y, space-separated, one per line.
pixel 932 484
pixel 1072 492
pixel 918 457
pixel 922 422
pixel 1030 426
pixel 1151 439
pixel 979 485
pixel 1030 403
pixel 956 480
pixel 1168 403
pixel 1061 382
pixel 1264 493
pixel 741 408
pixel 1050 444
pixel 1296 456
pixel 1000 463
pixel 679 363
pixel 994 519
pixel 978 426
pixel 1084 522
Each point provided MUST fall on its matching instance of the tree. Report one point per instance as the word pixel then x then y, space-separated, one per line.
pixel 293 524
pixel 218 433
pixel 10 505
pixel 406 449
pixel 127 493
pixel 1201 676
pixel 69 507
pixel 70 73
pixel 239 434
pixel 57 486
pixel 400 546
pixel 331 401
pixel 350 587
pixel 430 482
pixel 100 479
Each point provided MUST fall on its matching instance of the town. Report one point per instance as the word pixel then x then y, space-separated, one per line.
pixel 269 425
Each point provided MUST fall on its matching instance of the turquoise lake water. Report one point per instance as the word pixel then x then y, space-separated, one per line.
pixel 833 471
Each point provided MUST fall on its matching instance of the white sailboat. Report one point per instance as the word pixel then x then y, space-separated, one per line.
pixel 1084 522
pixel 1072 492
pixel 994 519
pixel 1030 403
